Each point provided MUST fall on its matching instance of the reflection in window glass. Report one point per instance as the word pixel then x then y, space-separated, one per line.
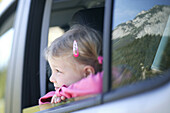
pixel 5 50
pixel 140 37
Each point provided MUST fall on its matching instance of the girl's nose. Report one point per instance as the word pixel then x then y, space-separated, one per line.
pixel 52 79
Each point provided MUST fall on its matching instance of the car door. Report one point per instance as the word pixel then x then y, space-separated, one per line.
pixel 135 50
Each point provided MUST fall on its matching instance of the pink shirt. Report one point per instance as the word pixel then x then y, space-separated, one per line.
pixel 90 85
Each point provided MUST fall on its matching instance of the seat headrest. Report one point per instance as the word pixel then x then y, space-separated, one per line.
pixel 90 17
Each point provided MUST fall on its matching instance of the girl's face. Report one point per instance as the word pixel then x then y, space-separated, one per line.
pixel 64 72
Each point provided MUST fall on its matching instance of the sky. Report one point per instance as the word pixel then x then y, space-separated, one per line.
pixel 127 9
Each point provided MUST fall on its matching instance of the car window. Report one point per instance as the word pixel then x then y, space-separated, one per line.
pixel 59 16
pixel 140 40
pixel 62 19
pixel 6 38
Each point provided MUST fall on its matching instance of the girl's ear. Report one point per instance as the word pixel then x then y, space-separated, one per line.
pixel 88 70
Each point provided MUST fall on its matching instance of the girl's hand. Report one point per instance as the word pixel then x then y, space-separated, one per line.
pixel 56 99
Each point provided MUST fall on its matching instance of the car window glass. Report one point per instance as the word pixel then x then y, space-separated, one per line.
pixel 5 50
pixel 6 39
pixel 140 40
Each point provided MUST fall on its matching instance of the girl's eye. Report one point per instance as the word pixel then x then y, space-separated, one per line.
pixel 58 71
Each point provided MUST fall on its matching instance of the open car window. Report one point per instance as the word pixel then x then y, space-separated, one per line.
pixel 61 21
pixel 61 16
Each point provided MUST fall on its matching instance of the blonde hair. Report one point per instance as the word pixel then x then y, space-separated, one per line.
pixel 89 43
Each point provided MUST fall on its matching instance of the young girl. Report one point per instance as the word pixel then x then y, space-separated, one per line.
pixel 76 63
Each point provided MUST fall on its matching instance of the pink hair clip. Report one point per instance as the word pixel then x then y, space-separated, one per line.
pixel 100 59
pixel 75 49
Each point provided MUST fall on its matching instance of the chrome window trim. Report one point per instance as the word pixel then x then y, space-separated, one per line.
pixel 74 106
pixel 44 41
pixel 14 77
pixel 107 46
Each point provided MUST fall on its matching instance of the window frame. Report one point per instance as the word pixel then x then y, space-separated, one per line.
pixel 43 45
pixel 107 46
pixel 14 76
pixel 92 101
pixel 31 67
pixel 7 15
pixel 24 66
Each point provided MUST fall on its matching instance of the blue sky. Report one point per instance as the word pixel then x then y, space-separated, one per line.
pixel 127 9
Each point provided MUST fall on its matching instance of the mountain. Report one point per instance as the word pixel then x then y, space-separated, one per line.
pixel 135 42
pixel 151 22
